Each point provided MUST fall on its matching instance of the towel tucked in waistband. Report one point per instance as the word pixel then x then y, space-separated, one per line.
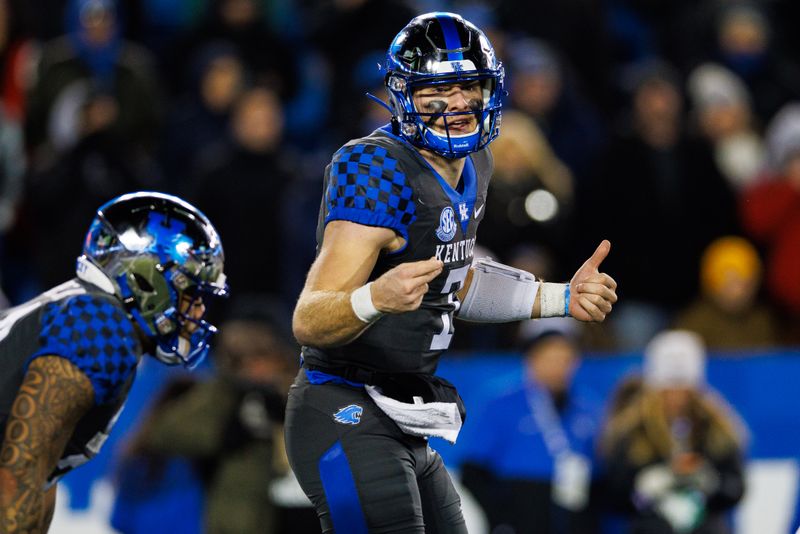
pixel 424 419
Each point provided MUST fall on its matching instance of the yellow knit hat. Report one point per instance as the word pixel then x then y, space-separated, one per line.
pixel 728 254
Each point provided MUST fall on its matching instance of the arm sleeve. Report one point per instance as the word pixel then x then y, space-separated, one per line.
pixel 94 335
pixel 366 186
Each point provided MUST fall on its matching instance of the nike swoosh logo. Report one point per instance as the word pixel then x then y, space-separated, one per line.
pixel 479 210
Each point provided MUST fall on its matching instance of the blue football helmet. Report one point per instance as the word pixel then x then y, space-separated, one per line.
pixel 439 49
pixel 157 254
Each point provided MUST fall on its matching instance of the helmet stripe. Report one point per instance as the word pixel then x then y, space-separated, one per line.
pixel 451 39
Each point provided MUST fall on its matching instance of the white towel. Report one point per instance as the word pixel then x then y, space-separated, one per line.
pixel 432 419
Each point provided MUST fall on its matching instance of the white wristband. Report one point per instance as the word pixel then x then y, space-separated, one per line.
pixel 361 301
pixel 553 300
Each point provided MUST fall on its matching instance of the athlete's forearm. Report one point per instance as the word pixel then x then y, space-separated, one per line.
pixel 326 319
pixel 21 501
pixel 48 508
pixel 536 311
pixel 53 396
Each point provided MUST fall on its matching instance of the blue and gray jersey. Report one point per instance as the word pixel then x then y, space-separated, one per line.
pixel 380 180
pixel 88 327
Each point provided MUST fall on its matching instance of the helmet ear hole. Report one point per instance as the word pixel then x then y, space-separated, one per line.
pixel 143 284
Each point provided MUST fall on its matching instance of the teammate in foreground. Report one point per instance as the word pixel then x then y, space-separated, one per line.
pixel 68 357
pixel 396 237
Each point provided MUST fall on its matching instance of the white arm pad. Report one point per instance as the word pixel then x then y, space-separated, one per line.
pixel 498 293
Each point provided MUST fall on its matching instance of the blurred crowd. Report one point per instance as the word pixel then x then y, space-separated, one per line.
pixel 664 455
pixel 670 128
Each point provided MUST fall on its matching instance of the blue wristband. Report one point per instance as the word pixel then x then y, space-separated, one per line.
pixel 566 301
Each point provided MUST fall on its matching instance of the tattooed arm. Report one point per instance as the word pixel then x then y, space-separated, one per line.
pixel 51 400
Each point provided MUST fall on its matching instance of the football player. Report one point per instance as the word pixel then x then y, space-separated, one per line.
pixel 394 267
pixel 68 357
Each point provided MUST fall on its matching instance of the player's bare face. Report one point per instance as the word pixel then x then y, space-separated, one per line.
pixel 450 98
pixel 192 308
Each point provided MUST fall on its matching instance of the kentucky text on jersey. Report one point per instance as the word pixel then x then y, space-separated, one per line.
pixel 381 180
pixel 455 252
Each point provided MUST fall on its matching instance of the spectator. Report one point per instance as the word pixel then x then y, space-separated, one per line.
pixel 231 426
pixel 744 44
pixel 249 171
pixel 575 27
pixel 531 192
pixel 727 314
pixel 100 166
pixel 725 118
pixel 12 170
pixel 770 213
pixel 92 58
pixel 16 53
pixel 195 122
pixel 658 184
pixel 543 86
pixel 645 30
pixel 343 32
pixel 531 470
pixel 673 455
pixel 243 24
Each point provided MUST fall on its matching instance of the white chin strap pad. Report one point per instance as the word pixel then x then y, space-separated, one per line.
pixel 498 293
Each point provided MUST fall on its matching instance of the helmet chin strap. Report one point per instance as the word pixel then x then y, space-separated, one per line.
pixel 91 273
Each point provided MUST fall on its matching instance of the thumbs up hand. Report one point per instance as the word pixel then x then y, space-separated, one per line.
pixel 592 293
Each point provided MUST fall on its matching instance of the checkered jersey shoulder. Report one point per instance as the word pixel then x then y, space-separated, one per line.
pixel 367 185
pixel 93 332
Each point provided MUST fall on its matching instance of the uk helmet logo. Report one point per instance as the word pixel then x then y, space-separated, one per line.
pixel 349 415
pixel 447 225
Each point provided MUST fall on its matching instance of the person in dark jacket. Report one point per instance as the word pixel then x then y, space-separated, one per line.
pixel 673 455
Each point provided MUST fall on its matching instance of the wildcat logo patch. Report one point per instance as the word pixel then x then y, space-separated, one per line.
pixel 349 415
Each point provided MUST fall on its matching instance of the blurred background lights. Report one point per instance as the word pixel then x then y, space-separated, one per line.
pixel 541 205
